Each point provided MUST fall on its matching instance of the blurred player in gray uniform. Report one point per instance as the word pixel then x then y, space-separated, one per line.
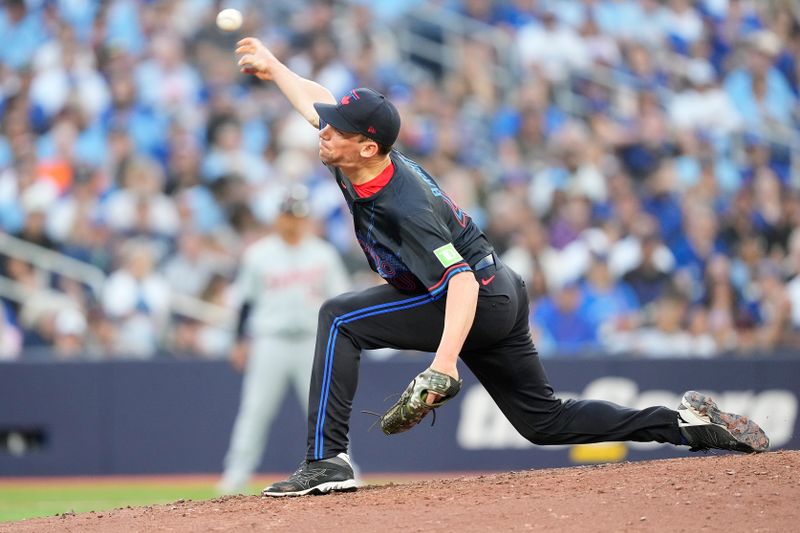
pixel 283 280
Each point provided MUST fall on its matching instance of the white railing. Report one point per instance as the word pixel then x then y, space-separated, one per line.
pixel 94 278
pixel 194 308
pixel 16 291
pixel 52 261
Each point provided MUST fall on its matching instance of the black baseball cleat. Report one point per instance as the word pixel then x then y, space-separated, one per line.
pixel 705 427
pixel 317 477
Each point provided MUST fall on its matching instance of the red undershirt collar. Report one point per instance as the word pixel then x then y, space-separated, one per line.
pixel 375 184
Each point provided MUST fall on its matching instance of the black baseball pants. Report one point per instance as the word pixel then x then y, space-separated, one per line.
pixel 498 350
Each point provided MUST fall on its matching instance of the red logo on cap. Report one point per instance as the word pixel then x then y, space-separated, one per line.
pixel 372 130
pixel 345 100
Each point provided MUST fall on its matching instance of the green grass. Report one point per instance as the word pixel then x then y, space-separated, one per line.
pixel 29 501
pixel 31 498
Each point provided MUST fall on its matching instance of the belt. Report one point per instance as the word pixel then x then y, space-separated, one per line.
pixel 486 262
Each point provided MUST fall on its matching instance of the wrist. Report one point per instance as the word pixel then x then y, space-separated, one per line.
pixel 446 365
pixel 445 354
pixel 446 357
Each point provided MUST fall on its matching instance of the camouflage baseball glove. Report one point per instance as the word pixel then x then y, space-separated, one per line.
pixel 411 408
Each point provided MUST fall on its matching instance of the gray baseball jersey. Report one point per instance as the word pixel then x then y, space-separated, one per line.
pixel 286 285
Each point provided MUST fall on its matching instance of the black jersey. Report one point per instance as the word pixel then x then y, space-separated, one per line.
pixel 413 234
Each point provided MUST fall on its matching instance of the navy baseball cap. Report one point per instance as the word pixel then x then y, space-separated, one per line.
pixel 363 111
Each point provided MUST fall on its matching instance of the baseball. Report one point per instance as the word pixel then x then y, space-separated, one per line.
pixel 229 19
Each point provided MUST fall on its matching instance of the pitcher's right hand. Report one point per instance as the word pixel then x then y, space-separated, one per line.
pixel 256 58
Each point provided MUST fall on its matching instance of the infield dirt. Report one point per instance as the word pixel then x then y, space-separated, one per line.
pixel 727 493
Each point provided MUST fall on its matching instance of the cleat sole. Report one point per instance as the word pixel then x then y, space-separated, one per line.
pixel 323 488
pixel 748 434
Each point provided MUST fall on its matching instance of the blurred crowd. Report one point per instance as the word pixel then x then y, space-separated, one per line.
pixel 635 161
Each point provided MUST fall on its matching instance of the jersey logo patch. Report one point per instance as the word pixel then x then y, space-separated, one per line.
pixel 447 255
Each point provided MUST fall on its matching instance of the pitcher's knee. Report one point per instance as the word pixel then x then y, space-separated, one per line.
pixel 336 307
pixel 538 437
pixel 544 426
pixel 534 432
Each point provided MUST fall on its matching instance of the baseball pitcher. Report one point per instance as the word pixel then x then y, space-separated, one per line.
pixel 446 292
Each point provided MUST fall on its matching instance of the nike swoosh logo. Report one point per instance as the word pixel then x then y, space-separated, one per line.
pixel 486 281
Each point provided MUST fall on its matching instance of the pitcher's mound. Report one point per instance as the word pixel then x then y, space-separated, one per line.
pixel 705 493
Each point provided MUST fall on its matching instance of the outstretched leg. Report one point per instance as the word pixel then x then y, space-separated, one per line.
pixel 502 356
pixel 510 370
pixel 516 380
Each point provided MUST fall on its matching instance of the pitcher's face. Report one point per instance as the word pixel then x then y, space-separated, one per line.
pixel 343 149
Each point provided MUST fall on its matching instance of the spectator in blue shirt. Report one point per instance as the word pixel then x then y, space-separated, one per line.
pixel 21 33
pixel 606 298
pixel 565 317
pixel 760 92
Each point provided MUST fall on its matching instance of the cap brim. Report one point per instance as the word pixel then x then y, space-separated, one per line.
pixel 330 114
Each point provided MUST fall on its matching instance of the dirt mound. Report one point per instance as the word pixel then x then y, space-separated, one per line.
pixel 706 493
